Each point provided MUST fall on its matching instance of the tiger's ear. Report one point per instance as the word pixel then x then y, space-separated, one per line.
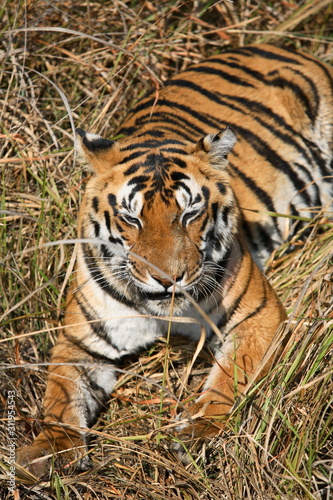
pixel 217 146
pixel 94 151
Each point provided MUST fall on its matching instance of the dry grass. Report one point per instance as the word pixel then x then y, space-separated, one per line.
pixel 88 67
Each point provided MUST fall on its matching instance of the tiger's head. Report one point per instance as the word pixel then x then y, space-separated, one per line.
pixel 164 215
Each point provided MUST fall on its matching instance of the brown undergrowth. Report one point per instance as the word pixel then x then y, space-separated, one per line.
pixel 68 64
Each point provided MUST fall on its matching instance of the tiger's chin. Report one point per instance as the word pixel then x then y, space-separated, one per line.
pixel 165 304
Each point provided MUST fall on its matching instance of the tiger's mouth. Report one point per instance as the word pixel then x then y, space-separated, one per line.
pixel 160 295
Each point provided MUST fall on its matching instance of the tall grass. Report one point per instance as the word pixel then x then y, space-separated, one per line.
pixel 66 64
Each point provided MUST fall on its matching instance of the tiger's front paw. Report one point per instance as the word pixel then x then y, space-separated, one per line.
pixel 207 420
pixel 35 459
pixel 68 455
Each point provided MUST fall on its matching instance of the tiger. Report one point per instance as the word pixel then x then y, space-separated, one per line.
pixel 181 212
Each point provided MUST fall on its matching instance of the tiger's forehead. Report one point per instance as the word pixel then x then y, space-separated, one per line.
pixel 166 173
pixel 168 185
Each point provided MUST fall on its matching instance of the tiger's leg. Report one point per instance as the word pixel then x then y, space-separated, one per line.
pixel 255 313
pixel 77 387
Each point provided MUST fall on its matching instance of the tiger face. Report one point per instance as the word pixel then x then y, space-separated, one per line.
pixel 170 233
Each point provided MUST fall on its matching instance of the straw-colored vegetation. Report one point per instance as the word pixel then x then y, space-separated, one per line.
pixel 66 64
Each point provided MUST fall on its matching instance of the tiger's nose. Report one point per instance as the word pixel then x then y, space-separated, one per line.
pixel 166 282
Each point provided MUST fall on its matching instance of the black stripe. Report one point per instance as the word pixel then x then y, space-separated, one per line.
pixel 134 168
pixel 221 187
pixel 132 156
pixel 235 79
pixel 236 59
pixel 90 352
pixel 150 144
pixel 178 131
pixel 96 326
pixel 296 225
pixel 113 239
pixel 259 308
pixel 283 83
pixel 120 229
pixel 214 208
pixel 260 193
pixel 174 131
pixel 181 124
pixel 280 82
pixel 174 151
pixel 250 236
pixel 107 252
pixel 162 119
pixel 278 119
pixel 212 96
pixel 95 203
pixel 139 179
pixel 318 63
pixel 112 200
pixel 136 189
pixel 204 224
pixel 256 50
pixel 147 102
pixel 318 159
pixel 152 133
pixel 107 220
pixel 314 89
pixel 263 236
pixel 274 159
pixel 177 176
pixel 232 310
pixel 240 67
pixel 167 103
pixel 225 318
pixel 206 193
pixel 96 226
pixel 184 186
pixel 224 214
pixel 314 200
pixel 101 281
